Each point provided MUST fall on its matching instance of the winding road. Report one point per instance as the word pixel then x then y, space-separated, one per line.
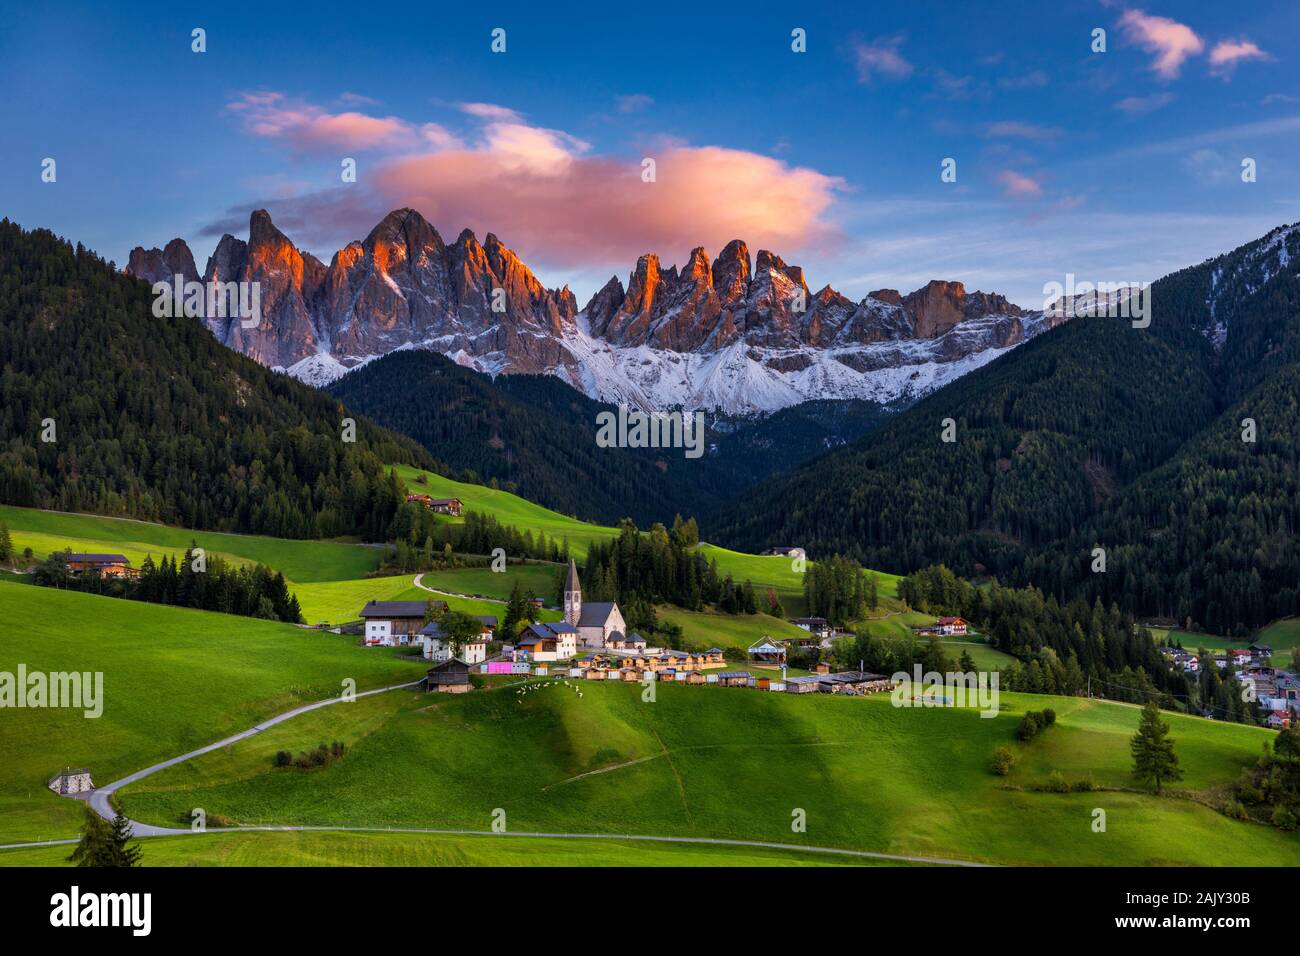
pixel 100 802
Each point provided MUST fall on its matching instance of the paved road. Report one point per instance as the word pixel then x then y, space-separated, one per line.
pixel 829 850
pixel 99 798
pixel 99 801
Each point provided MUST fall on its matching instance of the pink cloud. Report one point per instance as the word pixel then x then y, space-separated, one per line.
pixel 1019 186
pixel 1228 53
pixel 307 127
pixel 567 209
pixel 1172 42
pixel 490 111
pixel 880 57
pixel 561 205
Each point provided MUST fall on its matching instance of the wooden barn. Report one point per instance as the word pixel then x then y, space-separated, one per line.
pixel 449 677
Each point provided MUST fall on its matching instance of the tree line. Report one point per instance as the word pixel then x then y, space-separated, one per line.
pixel 209 583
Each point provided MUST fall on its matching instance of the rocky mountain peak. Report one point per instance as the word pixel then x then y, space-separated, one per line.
pixel 403 286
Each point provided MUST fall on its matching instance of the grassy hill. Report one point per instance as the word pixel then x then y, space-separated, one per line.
pixel 735 763
pixel 324 848
pixel 174 679
pixel 299 560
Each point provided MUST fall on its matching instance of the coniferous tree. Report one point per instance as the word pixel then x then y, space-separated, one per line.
pixel 1154 759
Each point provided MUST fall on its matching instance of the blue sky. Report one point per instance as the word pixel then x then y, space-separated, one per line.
pixel 1115 166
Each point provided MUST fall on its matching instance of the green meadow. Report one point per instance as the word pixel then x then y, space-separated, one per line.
pixel 538 578
pixel 763 570
pixel 337 848
pixel 300 561
pixel 736 764
pixel 173 679
pixel 509 509
pixel 704 629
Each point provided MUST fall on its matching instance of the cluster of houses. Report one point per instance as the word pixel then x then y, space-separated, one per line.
pixel 453 676
pixel 612 652
pixel 1276 691
pixel 402 623
pixel 443 506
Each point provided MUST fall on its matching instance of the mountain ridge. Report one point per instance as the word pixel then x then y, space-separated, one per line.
pixel 732 334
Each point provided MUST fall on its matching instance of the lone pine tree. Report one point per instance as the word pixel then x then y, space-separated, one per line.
pixel 1154 759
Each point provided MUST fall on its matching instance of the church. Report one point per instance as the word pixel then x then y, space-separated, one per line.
pixel 600 623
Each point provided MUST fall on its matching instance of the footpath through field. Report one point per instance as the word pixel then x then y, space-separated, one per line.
pixel 100 802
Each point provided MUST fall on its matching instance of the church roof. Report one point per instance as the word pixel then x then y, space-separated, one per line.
pixel 596 613
pixel 572 583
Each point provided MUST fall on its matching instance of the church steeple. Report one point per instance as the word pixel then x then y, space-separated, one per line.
pixel 572 596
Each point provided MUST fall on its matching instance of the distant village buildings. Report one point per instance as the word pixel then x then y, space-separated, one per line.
pixel 786 552
pixel 109 565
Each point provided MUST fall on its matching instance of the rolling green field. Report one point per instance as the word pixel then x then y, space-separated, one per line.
pixel 705 629
pixel 336 602
pixel 173 679
pixel 538 578
pixel 300 561
pixel 326 848
pixel 734 763
pixel 764 570
pixel 509 509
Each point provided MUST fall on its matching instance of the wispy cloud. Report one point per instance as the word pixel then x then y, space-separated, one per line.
pixel 1227 54
pixel 880 57
pixel 305 127
pixel 1142 105
pixel 1019 186
pixel 633 102
pixel 1017 130
pixel 1171 42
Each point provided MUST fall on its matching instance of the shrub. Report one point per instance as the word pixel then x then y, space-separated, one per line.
pixel 1084 784
pixel 1003 761
pixel 1057 783
pixel 1028 727
pixel 1283 818
pixel 1048 717
pixel 1237 810
pixel 283 758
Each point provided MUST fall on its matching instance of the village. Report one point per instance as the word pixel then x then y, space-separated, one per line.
pixel 593 643
pixel 1276 691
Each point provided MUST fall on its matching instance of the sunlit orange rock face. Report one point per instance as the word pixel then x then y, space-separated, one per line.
pixel 403 285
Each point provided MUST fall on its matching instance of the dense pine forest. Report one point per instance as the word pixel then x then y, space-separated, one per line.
pixel 532 435
pixel 1074 648
pixel 1094 435
pixel 662 565
pixel 106 409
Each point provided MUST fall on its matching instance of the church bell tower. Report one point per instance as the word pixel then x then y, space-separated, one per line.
pixel 572 596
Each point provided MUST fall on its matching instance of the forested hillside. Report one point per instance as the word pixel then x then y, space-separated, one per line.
pixel 532 434
pixel 1095 434
pixel 153 418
